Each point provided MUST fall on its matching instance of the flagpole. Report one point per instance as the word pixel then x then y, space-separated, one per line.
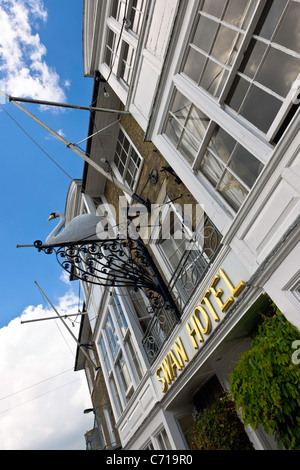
pixel 66 105
pixel 74 148
pixel 69 330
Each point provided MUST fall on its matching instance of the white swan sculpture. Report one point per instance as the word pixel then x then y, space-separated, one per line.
pixel 81 228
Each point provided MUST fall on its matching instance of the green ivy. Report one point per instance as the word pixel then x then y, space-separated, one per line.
pixel 265 383
pixel 218 428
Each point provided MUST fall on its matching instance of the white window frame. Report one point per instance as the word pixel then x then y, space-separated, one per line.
pixel 124 394
pixel 109 425
pixel 130 9
pixel 121 37
pixel 119 176
pixel 253 143
pixel 160 436
pixel 233 70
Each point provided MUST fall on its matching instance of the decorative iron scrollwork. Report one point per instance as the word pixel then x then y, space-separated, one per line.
pixel 115 263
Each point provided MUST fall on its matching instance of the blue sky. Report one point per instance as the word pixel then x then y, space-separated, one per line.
pixel 32 185
pixel 41 58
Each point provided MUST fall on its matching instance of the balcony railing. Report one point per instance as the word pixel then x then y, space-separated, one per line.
pixel 195 262
pixel 191 269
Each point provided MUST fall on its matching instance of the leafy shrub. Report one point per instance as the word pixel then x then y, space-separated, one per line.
pixel 265 383
pixel 218 428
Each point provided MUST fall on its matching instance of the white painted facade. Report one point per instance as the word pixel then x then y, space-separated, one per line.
pixel 258 217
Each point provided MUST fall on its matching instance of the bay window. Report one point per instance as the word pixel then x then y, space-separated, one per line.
pixel 229 166
pixel 121 360
pixel 123 29
pixel 127 161
pixel 246 54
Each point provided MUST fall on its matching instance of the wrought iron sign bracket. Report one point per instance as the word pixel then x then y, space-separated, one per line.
pixel 115 263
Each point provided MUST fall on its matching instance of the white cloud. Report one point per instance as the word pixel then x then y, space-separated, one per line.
pixel 65 277
pixel 67 83
pixel 61 133
pixel 24 72
pixel 42 399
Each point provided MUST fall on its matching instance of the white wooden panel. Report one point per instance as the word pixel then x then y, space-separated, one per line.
pixel 265 225
pixel 161 27
pixel 147 398
pixel 146 86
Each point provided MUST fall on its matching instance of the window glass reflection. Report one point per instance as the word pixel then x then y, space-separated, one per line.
pixel 288 34
pixel 230 167
pixel 252 58
pixel 270 18
pixel 222 144
pixel 214 7
pixel 186 127
pixel 211 168
pixel 226 45
pixel 205 34
pixel 213 78
pixel 245 166
pixel 238 92
pixel 238 12
pixel 278 71
pixel 232 190
pixel 194 65
pixel 188 147
pixel 260 108
pixel 268 70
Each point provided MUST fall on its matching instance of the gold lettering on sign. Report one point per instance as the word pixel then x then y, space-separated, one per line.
pixel 172 361
pixel 199 324
pixel 162 380
pixel 180 352
pixel 234 290
pixel 194 331
pixel 209 305
pixel 204 329
pixel 217 294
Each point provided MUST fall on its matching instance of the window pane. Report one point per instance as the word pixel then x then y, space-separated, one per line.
pixel 211 168
pixel 173 130
pixel 222 144
pixel 245 166
pixel 237 12
pixel 288 34
pixel 120 315
pixel 194 64
pixel 124 376
pixel 261 108
pixel 270 17
pixel 214 7
pixel 112 337
pixel 188 134
pixel 252 58
pixel 115 395
pixel 105 355
pixel 197 123
pixel 188 147
pixel 279 71
pixel 118 11
pixel 163 441
pixel 205 34
pixel 135 359
pixel 213 78
pixel 136 15
pixel 181 106
pixel 226 45
pixel 238 92
pixel 232 190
